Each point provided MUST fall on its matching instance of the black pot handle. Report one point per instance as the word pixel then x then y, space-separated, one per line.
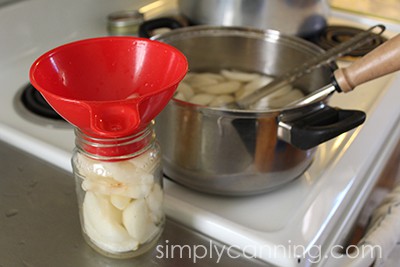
pixel 148 26
pixel 320 126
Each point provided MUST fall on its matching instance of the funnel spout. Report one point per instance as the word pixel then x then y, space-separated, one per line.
pixel 115 120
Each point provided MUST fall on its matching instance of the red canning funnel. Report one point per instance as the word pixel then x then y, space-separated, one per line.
pixel 109 86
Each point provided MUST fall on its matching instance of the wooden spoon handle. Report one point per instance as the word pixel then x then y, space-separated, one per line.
pixel 382 60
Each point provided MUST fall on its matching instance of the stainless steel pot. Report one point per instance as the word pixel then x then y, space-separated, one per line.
pixel 243 152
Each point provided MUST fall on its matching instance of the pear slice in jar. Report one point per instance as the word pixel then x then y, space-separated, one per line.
pixel 137 221
pixel 120 202
pixel 110 186
pixel 136 181
pixel 103 224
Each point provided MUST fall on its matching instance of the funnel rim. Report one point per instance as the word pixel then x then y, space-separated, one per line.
pixel 57 49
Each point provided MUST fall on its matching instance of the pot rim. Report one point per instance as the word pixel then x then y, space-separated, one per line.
pixel 239 31
pixel 286 114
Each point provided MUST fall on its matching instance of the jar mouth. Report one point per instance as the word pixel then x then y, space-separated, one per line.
pixel 115 149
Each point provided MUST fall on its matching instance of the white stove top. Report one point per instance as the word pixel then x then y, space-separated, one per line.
pixel 314 210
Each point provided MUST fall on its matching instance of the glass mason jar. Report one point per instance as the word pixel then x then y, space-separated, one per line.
pixel 119 190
